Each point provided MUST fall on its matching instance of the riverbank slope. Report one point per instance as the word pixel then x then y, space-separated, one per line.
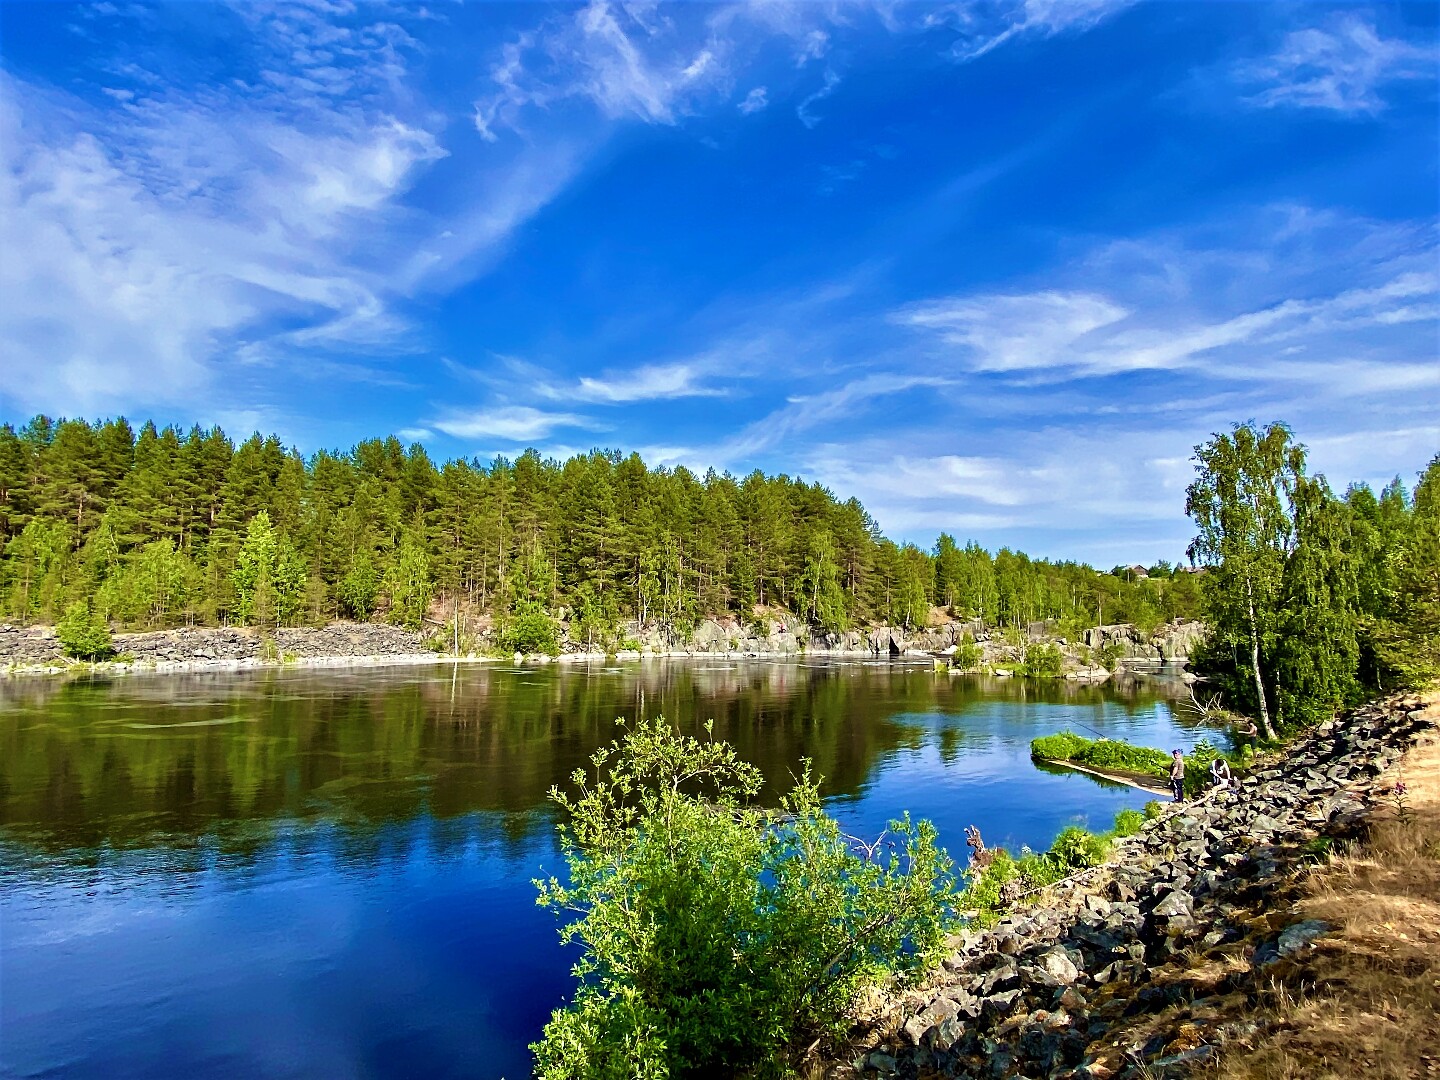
pixel 36 649
pixel 1223 935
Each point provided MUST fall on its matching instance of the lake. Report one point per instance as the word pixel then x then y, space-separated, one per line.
pixel 325 873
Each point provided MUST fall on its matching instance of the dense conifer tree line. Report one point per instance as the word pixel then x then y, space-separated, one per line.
pixel 164 527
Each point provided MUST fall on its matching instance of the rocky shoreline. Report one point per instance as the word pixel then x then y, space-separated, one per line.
pixel 36 650
pixel 1118 973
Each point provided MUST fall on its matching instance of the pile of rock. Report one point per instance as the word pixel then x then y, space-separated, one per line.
pixel 349 639
pixel 201 645
pixel 27 644
pixel 1041 993
pixel 189 644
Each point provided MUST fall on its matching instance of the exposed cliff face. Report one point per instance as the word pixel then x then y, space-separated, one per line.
pixel 1116 974
pixel 1171 642
pixel 784 636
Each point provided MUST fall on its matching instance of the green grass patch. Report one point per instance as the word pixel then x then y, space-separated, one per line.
pixel 1115 756
pixel 1102 754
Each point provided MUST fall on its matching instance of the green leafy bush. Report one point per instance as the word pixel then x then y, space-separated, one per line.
pixel 1153 809
pixel 531 632
pixel 83 634
pixel 1110 654
pixel 1036 870
pixel 982 895
pixel 1075 849
pixel 1062 746
pixel 1111 754
pixel 1043 661
pixel 968 653
pixel 718 937
pixel 1128 822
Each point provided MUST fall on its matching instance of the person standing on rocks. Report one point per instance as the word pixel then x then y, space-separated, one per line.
pixel 1220 773
pixel 1177 776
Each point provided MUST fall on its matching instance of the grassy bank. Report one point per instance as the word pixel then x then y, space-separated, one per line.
pixel 1365 1003
pixel 1110 755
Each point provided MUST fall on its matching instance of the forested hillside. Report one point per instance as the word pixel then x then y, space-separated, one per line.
pixel 165 527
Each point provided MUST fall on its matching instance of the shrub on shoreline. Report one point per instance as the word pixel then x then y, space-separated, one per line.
pixel 716 935
pixel 1004 877
pixel 84 635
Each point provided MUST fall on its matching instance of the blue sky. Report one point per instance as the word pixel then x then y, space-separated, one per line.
pixel 994 268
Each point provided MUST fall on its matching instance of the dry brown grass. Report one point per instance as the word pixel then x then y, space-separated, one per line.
pixel 1367 1002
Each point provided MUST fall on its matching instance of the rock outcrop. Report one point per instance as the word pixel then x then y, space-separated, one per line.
pixel 1170 643
pixel 37 645
pixel 198 645
pixel 1189 908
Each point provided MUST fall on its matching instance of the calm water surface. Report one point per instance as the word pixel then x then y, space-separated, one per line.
pixel 327 874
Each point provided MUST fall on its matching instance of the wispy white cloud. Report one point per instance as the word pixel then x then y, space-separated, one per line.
pixel 1015 332
pixel 1147 319
pixel 143 264
pixel 805 413
pixel 756 100
pixel 983 30
pixel 812 46
pixel 1075 485
pixel 693 377
pixel 805 110
pixel 224 226
pixel 650 383
pixel 190 236
pixel 626 60
pixel 519 423
pixel 1342 67
pixel 656 65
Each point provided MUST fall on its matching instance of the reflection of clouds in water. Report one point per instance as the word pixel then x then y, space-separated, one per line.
pixel 218 722
pixel 75 921
pixel 372 748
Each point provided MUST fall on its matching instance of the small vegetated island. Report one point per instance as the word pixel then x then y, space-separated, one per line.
pixel 718 938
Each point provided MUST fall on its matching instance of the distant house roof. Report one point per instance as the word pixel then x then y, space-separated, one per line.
pixel 1138 571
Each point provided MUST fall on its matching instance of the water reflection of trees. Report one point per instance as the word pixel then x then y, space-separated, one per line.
pixel 86 765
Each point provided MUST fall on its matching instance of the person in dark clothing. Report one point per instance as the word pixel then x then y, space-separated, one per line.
pixel 1177 776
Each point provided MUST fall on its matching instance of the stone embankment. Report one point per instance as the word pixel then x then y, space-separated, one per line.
pixel 195 647
pixel 1171 643
pixel 37 646
pixel 1121 974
